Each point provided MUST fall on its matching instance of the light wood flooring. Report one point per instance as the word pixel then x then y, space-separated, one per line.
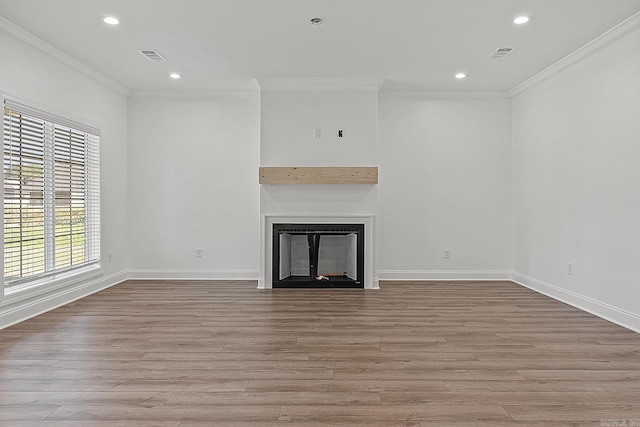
pixel 410 354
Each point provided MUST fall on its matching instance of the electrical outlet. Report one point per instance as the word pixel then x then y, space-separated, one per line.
pixel 447 253
pixel 340 133
pixel 570 269
pixel 317 133
pixel 110 256
pixel 199 253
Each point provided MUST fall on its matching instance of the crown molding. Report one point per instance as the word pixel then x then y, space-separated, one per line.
pixel 10 29
pixel 313 84
pixel 446 94
pixel 188 94
pixel 615 34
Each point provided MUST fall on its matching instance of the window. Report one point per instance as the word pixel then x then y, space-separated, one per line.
pixel 51 194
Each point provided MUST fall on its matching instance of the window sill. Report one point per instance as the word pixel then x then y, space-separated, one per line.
pixel 33 289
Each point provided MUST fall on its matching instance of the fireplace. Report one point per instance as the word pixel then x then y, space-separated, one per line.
pixel 318 255
pixel 366 272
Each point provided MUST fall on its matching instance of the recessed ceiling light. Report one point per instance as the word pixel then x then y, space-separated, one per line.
pixel 111 20
pixel 522 20
pixel 175 76
pixel 316 21
pixel 461 76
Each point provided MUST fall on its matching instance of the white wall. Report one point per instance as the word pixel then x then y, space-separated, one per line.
pixel 288 118
pixel 193 183
pixel 287 121
pixel 576 175
pixel 444 184
pixel 37 78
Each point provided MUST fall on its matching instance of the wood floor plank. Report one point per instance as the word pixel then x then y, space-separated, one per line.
pixel 442 374
pixel 381 413
pixel 59 398
pixel 574 412
pixel 89 413
pixel 228 374
pixel 412 354
pixel 59 374
pixel 141 365
pixel 544 386
pixel 31 412
pixel 150 386
pixel 21 384
pixel 277 398
pixel 616 397
pixel 226 356
pixel 95 423
pixel 298 423
pixel 344 386
pixel 581 374
pixel 528 423
pixel 490 398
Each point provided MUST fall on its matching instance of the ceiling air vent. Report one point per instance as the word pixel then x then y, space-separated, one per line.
pixel 153 55
pixel 501 53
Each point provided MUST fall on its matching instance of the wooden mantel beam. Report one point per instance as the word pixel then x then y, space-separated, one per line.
pixel 318 175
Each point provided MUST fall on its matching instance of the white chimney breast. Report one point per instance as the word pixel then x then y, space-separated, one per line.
pixel 299 119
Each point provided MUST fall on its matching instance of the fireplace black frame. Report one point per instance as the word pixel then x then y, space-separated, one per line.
pixel 314 233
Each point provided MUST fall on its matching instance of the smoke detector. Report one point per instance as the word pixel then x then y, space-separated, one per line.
pixel 153 55
pixel 501 52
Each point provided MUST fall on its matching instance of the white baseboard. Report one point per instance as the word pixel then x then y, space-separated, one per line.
pixel 444 275
pixel 24 309
pixel 21 310
pixel 154 274
pixel 605 311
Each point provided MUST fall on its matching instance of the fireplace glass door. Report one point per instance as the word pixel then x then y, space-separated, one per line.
pixel 318 255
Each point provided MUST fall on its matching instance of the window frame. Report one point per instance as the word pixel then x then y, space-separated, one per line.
pixel 56 279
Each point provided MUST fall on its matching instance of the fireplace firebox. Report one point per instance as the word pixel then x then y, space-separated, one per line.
pixel 318 256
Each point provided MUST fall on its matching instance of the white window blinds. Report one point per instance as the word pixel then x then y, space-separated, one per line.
pixel 51 194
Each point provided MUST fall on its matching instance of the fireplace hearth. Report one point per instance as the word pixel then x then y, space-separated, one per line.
pixel 318 255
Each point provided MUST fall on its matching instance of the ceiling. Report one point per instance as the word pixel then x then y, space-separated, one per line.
pixel 412 44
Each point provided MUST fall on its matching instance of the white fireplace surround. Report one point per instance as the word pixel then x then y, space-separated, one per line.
pixel 266 236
